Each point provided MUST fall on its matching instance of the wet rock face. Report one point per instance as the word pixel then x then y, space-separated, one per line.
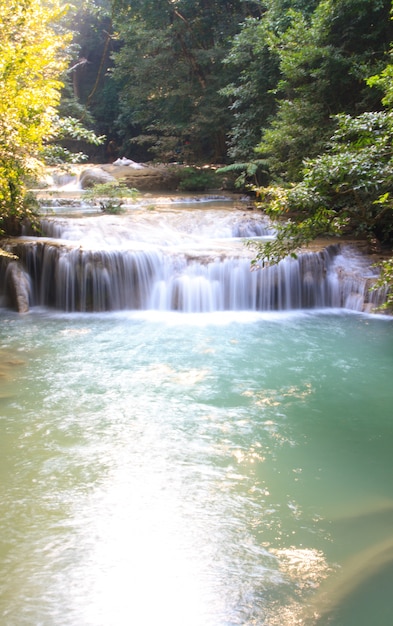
pixel 18 287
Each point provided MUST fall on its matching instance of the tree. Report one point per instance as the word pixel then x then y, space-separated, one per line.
pixel 89 94
pixel 252 102
pixel 296 66
pixel 170 74
pixel 256 69
pixel 32 58
pixel 344 191
pixel 324 58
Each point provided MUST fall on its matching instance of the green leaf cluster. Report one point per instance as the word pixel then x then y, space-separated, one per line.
pixel 344 191
pixel 324 58
pixel 32 58
pixel 66 130
pixel 385 281
pixel 298 64
pixel 197 179
pixel 170 74
pixel 327 145
pixel 111 196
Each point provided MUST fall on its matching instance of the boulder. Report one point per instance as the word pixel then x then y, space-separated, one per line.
pixel 145 178
pixel 94 176
pixel 129 163
pixel 18 287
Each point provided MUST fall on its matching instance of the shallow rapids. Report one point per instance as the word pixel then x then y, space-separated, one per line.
pixel 231 469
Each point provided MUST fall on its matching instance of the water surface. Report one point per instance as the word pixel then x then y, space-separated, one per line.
pixel 196 470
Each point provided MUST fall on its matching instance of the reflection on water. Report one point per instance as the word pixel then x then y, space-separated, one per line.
pixel 9 365
pixel 199 471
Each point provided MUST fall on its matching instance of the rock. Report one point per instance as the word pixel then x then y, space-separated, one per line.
pixel 94 176
pixel 129 163
pixel 18 287
pixel 146 178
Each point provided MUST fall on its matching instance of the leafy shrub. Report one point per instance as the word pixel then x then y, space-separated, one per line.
pixel 110 196
pixel 385 281
pixel 196 179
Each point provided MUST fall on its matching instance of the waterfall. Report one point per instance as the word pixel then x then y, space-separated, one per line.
pixel 192 261
pixel 73 279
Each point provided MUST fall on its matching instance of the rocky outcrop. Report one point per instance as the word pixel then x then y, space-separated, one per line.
pixel 144 177
pixel 147 178
pixel 94 176
pixel 17 287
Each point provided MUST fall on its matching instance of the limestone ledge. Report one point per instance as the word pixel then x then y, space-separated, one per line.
pixel 144 177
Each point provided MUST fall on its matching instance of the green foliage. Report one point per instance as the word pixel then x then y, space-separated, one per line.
pixel 345 190
pixel 110 196
pixel 296 131
pixel 34 52
pixel 355 176
pixel 324 58
pixel 292 236
pixel 384 81
pixel 252 100
pixel 293 231
pixel 69 129
pixel 54 154
pixel 32 57
pixel 197 179
pixel 385 281
pixel 89 94
pixel 253 172
pixel 337 169
pixel 170 73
